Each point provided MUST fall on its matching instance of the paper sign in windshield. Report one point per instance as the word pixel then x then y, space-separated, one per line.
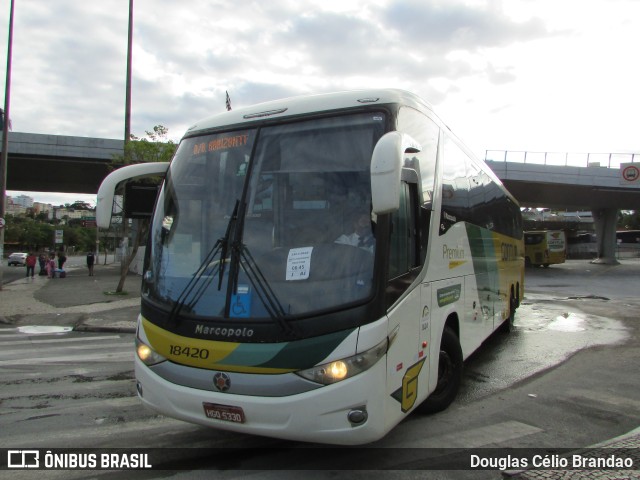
pixel 299 263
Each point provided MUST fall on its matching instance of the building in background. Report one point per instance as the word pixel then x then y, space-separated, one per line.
pixel 22 200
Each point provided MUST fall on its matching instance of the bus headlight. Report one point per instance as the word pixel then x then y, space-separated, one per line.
pixel 147 354
pixel 342 369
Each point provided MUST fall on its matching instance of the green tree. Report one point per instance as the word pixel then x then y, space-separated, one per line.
pixel 28 233
pixel 156 147
pixel 81 238
pixel 79 205
pixel 629 220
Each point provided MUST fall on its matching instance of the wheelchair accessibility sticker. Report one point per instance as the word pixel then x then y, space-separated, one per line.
pixel 241 302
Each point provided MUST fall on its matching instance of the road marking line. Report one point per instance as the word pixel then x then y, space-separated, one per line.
pixel 73 359
pixel 59 340
pixel 92 436
pixel 43 351
pixel 476 437
pixel 579 395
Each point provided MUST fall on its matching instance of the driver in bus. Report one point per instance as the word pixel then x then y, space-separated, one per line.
pixel 362 235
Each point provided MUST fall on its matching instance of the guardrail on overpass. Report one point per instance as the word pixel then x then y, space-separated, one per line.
pixel 566 159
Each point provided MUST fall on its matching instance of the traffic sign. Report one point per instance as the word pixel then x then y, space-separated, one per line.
pixel 630 172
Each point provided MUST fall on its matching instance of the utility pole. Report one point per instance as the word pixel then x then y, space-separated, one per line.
pixel 127 138
pixel 127 108
pixel 5 141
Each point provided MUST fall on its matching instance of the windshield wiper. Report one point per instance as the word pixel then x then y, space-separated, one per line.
pixel 221 246
pixel 188 289
pixel 265 293
pixel 225 243
pixel 241 257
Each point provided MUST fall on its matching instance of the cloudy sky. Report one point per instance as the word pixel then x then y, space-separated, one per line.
pixel 536 75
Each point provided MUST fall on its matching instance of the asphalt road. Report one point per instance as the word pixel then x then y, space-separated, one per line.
pixel 11 273
pixel 565 378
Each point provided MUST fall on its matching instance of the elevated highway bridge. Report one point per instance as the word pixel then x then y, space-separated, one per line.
pixel 555 184
pixel 58 163
pixel 603 183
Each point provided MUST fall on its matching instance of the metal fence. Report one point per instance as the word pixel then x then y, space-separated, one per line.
pixel 609 160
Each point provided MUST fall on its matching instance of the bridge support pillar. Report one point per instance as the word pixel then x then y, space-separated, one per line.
pixel 605 220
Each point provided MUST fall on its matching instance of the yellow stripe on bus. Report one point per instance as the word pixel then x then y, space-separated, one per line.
pixel 195 352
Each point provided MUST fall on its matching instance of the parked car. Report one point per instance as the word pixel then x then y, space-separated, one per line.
pixel 18 259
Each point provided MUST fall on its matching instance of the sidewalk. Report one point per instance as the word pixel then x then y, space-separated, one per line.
pixel 78 301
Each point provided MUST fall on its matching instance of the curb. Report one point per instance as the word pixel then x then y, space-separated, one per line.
pixel 107 329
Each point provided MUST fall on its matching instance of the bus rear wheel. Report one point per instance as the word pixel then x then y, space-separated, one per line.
pixel 449 374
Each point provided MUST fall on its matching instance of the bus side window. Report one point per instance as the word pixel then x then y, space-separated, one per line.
pixel 405 246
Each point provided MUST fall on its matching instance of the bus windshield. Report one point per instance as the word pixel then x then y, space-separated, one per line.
pixel 271 222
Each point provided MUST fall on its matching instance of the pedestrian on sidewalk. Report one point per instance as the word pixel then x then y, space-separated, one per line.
pixel 51 266
pixel 91 260
pixel 62 258
pixel 42 260
pixel 31 264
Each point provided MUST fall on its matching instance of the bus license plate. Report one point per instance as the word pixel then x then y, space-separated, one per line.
pixel 226 413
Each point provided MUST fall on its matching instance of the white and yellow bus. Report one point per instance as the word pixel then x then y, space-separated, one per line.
pixel 319 267
pixel 544 247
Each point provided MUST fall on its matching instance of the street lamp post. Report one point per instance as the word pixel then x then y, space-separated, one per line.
pixel 127 129
pixel 127 108
pixel 5 139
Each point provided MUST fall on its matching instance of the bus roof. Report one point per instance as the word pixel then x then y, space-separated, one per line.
pixel 292 106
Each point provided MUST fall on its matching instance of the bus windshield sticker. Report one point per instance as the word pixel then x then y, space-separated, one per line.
pixel 241 302
pixel 299 263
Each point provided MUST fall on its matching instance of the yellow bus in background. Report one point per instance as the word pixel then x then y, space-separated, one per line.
pixel 545 248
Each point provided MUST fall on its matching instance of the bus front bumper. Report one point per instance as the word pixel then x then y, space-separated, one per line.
pixel 350 412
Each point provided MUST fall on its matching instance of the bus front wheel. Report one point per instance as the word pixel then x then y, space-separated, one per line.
pixel 449 374
pixel 507 325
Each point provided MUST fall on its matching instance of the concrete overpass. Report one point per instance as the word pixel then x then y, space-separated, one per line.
pixel 602 189
pixel 55 163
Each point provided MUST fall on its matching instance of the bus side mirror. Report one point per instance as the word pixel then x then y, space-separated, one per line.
pixel 386 167
pixel 106 192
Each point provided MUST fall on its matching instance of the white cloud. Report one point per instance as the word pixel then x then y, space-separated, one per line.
pixel 517 74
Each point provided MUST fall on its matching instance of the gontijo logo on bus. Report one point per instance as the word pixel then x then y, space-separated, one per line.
pixel 221 144
pixel 555 241
pixel 509 251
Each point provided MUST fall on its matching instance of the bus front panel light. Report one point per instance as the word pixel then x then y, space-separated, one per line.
pixel 147 354
pixel 344 368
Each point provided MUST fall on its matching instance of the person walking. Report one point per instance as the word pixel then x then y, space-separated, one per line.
pixel 51 266
pixel 31 264
pixel 42 260
pixel 91 260
pixel 61 260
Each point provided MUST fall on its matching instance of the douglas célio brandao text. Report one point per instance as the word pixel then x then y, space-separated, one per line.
pixel 575 461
